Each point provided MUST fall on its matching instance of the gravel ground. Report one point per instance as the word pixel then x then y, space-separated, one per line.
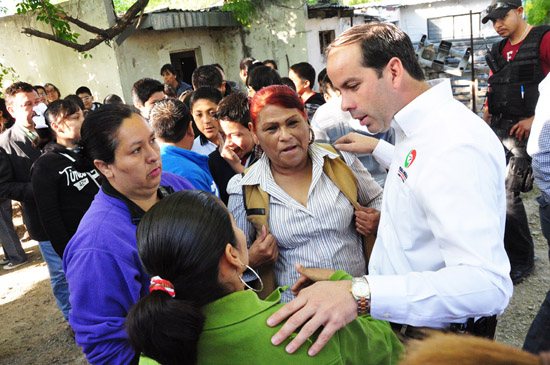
pixel 32 330
pixel 515 321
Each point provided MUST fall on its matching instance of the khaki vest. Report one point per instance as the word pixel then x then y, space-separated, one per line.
pixel 256 204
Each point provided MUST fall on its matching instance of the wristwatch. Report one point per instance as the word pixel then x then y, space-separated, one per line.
pixel 360 289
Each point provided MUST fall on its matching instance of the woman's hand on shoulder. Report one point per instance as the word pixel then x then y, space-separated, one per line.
pixel 309 275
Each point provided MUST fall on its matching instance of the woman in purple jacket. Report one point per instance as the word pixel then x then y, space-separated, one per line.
pixel 101 262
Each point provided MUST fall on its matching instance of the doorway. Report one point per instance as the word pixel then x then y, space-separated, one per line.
pixel 185 63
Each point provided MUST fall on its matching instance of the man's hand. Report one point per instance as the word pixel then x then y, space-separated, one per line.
pixel 309 276
pixel 355 142
pixel 325 303
pixel 366 220
pixel 522 128
pixel 229 155
pixel 486 116
pixel 264 250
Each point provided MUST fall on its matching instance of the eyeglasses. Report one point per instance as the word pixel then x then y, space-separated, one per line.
pixel 500 5
pixel 86 98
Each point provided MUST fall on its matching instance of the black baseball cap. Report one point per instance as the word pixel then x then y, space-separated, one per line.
pixel 498 9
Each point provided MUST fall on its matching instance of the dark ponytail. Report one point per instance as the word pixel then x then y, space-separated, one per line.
pixel 181 239
pixel 99 134
pixel 165 329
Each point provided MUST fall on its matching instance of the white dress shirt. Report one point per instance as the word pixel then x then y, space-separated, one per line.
pixel 538 146
pixel 320 235
pixel 439 256
pixel 203 149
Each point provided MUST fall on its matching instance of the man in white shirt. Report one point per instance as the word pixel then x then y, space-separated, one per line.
pixel 439 257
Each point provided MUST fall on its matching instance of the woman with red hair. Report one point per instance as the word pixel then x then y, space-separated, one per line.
pixel 310 219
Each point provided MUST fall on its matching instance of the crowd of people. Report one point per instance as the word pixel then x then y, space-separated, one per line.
pixel 209 224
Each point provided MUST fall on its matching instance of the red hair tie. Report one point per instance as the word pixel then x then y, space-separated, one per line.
pixel 157 283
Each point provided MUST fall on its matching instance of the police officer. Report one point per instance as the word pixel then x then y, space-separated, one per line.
pixel 518 64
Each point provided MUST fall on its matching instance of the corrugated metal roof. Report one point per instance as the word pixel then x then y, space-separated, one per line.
pixel 174 19
pixel 395 3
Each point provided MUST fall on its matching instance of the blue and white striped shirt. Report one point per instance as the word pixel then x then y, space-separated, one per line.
pixel 538 146
pixel 320 235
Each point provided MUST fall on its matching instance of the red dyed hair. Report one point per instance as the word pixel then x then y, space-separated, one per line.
pixel 279 95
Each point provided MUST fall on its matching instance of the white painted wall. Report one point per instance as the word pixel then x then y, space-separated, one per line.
pixel 414 19
pixel 313 27
pixel 39 61
pixel 279 34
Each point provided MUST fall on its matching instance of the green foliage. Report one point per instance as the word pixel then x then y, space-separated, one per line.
pixel 6 72
pixel 50 14
pixel 244 11
pixel 538 12
pixel 358 2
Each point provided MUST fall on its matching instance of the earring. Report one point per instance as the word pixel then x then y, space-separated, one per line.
pixel 257 276
pixel 311 136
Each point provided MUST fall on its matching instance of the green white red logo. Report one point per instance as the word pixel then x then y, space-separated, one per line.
pixel 410 158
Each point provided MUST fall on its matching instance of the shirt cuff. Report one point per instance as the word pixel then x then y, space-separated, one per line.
pixel 383 153
pixel 388 297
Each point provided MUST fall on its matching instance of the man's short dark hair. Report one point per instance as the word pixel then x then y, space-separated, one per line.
pixel 113 99
pixel 234 108
pixel 262 76
pixel 76 100
pixel 170 119
pixel 206 75
pixel 272 62
pixel 325 83
pixel 380 42
pixel 217 65
pixel 144 88
pixel 16 88
pixel 168 67
pixel 83 90
pixel 245 63
pixel 305 72
pixel 205 92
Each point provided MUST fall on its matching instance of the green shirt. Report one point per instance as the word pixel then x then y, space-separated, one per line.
pixel 235 332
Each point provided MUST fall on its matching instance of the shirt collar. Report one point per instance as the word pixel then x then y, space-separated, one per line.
pixel 406 119
pixel 237 307
pixel 136 213
pixel 261 170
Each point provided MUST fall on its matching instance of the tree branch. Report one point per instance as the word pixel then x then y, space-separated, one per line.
pixel 102 34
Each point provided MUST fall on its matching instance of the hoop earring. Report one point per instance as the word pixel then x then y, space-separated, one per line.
pixel 255 274
pixel 311 136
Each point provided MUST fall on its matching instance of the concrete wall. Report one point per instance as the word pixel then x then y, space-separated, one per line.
pixel 414 19
pixel 313 27
pixel 39 61
pixel 278 34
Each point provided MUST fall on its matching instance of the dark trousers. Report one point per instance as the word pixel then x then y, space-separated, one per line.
pixel 11 244
pixel 517 236
pixel 538 336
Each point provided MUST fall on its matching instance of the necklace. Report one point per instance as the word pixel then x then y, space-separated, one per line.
pixel 523 35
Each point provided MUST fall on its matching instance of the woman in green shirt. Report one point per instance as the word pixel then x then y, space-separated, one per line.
pixel 198 310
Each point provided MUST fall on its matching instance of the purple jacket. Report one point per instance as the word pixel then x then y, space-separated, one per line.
pixel 105 276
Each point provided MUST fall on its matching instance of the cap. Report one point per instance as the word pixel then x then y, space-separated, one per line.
pixel 498 9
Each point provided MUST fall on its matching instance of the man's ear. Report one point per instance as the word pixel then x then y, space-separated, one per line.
pixel 396 70
pixel 104 168
pixel 190 131
pixel 307 84
pixel 10 110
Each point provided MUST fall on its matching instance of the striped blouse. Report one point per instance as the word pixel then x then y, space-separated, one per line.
pixel 320 235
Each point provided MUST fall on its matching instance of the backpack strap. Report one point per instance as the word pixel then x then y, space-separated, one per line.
pixel 340 174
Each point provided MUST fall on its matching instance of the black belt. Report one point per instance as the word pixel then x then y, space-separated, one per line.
pixel 482 327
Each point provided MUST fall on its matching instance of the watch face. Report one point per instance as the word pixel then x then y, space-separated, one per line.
pixel 360 289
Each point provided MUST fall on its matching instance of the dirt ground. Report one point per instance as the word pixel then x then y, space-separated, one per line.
pixel 32 330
